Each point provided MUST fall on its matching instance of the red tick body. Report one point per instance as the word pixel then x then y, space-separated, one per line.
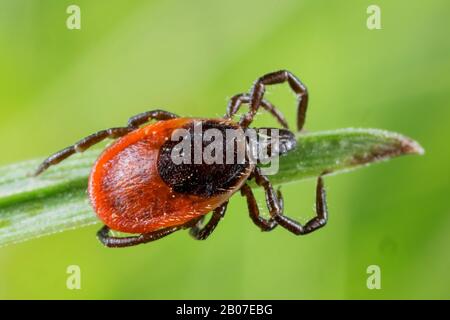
pixel 126 189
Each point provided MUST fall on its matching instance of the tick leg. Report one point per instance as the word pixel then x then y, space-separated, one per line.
pixel 244 98
pixel 200 232
pixel 259 88
pixel 120 242
pixel 81 146
pixel 293 226
pixel 97 137
pixel 253 209
pixel 315 223
pixel 144 117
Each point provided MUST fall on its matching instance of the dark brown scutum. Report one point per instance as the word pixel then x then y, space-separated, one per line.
pixel 203 179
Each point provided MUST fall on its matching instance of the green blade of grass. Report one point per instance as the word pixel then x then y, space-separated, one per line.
pixel 55 201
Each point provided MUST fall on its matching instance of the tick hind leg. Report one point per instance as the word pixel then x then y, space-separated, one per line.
pixel 113 133
pixel 145 117
pixel 200 231
pixel 293 226
pixel 81 146
pixel 120 242
pixel 278 77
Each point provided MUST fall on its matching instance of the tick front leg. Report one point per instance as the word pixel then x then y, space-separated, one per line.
pixel 200 231
pixel 315 223
pixel 293 226
pixel 259 88
pixel 120 242
pixel 81 146
pixel 238 100
pixel 253 209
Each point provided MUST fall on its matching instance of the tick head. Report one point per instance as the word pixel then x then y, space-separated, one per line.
pixel 277 141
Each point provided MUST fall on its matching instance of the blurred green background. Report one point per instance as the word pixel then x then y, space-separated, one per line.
pixel 57 85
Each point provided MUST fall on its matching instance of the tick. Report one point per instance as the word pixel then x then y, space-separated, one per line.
pixel 135 187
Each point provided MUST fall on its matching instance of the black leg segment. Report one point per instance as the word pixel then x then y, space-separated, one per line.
pixel 145 117
pixel 238 100
pixel 275 201
pixel 81 146
pixel 113 133
pixel 120 242
pixel 253 209
pixel 315 223
pixel 259 88
pixel 200 231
